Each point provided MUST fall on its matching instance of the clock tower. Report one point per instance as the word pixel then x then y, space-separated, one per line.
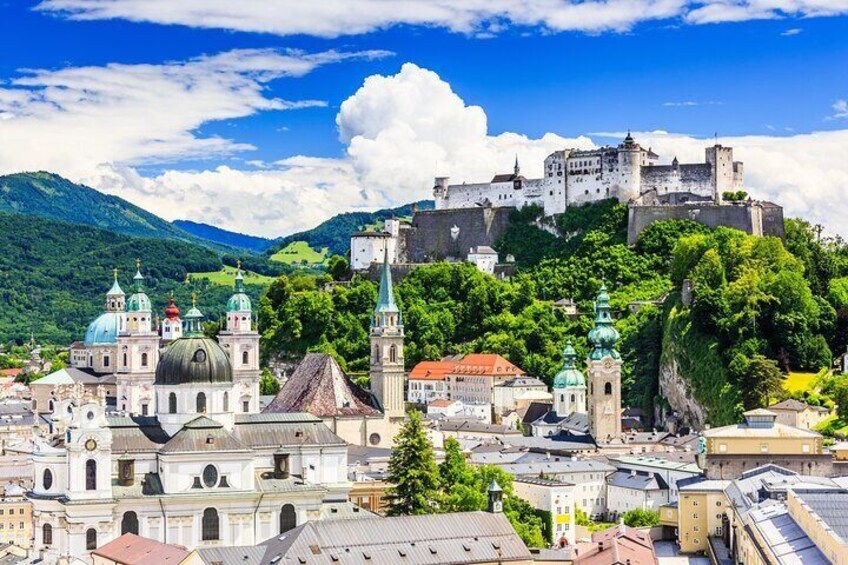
pixel 88 441
pixel 604 371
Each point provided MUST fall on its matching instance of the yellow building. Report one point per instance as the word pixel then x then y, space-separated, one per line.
pixel 15 517
pixel 761 434
pixel 700 510
pixel 799 414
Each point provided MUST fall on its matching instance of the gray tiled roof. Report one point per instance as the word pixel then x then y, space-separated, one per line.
pixel 135 434
pixel 274 430
pixel 637 481
pixel 203 434
pixel 832 507
pixel 552 467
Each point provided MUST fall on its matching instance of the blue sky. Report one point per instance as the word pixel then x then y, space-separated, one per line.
pixel 753 82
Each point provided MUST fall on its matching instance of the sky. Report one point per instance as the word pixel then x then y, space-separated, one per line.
pixel 269 116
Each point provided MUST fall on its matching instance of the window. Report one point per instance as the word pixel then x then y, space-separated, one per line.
pixel 722 448
pixel 608 388
pixel 172 403
pixel 199 356
pixel 129 523
pixel 210 525
pixel 125 359
pixel 393 354
pixel 47 479
pixel 226 401
pixel 245 357
pixel 210 476
pixel 106 361
pixel 201 403
pixel 144 409
pixel 46 534
pixel 805 448
pixel 374 439
pixel 764 448
pixel 91 475
pixel 90 539
pixel 288 518
pixel 144 359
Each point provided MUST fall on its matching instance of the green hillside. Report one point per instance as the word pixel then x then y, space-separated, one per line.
pixel 334 234
pixel 51 196
pixel 53 275
pixel 299 253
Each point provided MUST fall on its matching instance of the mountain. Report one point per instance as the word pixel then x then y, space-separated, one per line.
pixel 51 196
pixel 334 234
pixel 54 276
pixel 224 237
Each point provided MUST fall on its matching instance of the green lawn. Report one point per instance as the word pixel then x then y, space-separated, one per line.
pixel 226 277
pixel 799 382
pixel 298 252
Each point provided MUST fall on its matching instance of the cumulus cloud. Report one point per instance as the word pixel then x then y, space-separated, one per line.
pixel 482 18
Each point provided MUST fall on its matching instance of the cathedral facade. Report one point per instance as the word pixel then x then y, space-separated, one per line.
pixel 184 457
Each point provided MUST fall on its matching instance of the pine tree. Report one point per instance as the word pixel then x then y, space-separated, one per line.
pixel 412 471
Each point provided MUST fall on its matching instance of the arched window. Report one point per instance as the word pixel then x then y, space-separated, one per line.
pixel 172 403
pixel 393 354
pixel 90 539
pixel 125 359
pixel 201 403
pixel 226 401
pixel 573 399
pixel 562 398
pixel 210 476
pixel 47 479
pixel 129 523
pixel 288 518
pixel 144 359
pixel 47 534
pixel 210 525
pixel 91 475
pixel 245 357
pixel 608 388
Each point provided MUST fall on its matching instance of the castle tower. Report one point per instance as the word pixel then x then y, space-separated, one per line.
pixel 722 170
pixel 440 192
pixel 569 386
pixel 241 342
pixel 630 169
pixel 604 369
pixel 387 373
pixel 138 353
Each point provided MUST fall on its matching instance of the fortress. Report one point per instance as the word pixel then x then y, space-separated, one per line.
pixel 470 216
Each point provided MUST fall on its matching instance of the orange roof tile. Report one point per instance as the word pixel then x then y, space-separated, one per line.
pixel 486 364
pixel 431 370
pixel 441 403
pixel 615 546
pixel 11 372
pixel 131 549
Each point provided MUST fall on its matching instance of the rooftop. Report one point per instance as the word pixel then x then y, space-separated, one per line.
pixel 486 364
pixel 431 370
pixel 790 404
pixel 616 545
pixel 130 549
pixel 637 480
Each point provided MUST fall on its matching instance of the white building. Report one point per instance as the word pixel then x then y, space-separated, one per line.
pixel 202 469
pixel 484 258
pixel 518 392
pixel 631 490
pixel 627 172
pixel 668 470
pixel 367 247
pixel 427 381
pixel 554 497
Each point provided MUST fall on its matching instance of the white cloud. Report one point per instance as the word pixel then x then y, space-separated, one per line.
pixel 480 18
pixel 791 32
pixel 690 103
pixel 400 131
pixel 840 109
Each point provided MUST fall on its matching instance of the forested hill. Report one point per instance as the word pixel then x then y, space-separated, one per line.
pixel 335 233
pixel 224 237
pixel 54 276
pixel 51 196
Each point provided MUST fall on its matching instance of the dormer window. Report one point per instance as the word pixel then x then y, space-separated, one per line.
pixel 199 356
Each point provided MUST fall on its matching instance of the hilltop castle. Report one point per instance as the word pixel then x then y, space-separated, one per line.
pixel 628 172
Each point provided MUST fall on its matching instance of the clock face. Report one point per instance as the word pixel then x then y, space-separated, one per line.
pixel 91 445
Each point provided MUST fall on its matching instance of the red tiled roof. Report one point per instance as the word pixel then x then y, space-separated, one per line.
pixel 320 387
pixel 431 370
pixel 616 546
pixel 441 403
pixel 11 372
pixel 487 364
pixel 130 549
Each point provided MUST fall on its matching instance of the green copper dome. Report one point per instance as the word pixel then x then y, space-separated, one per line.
pixel 139 302
pixel 603 336
pixel 569 376
pixel 239 302
pixel 193 360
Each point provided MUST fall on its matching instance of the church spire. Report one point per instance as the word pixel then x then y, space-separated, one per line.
pixel 138 279
pixel 239 286
pixel 386 299
pixel 517 169
pixel 603 336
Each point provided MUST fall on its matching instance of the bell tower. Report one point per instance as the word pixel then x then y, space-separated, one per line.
pixel 241 342
pixel 569 386
pixel 138 353
pixel 387 372
pixel 604 369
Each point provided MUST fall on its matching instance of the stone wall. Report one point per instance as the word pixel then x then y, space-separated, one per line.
pixel 756 218
pixel 431 236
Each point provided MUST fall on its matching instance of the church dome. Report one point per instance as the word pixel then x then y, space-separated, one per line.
pixel 239 301
pixel 603 336
pixel 193 360
pixel 104 330
pixel 172 311
pixel 569 376
pixel 139 302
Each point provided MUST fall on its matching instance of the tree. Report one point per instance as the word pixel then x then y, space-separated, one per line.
pixel 412 471
pixel 640 518
pixel 453 469
pixel 840 396
pixel 268 384
pixel 338 267
pixel 763 381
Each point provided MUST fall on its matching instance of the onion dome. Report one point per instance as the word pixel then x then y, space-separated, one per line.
pixel 103 330
pixel 139 302
pixel 193 360
pixel 172 311
pixel 569 376
pixel 603 336
pixel 239 301
pixel 193 320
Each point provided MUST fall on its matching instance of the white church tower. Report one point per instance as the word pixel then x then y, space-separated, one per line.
pixel 387 371
pixel 241 342
pixel 569 386
pixel 138 353
pixel 604 368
